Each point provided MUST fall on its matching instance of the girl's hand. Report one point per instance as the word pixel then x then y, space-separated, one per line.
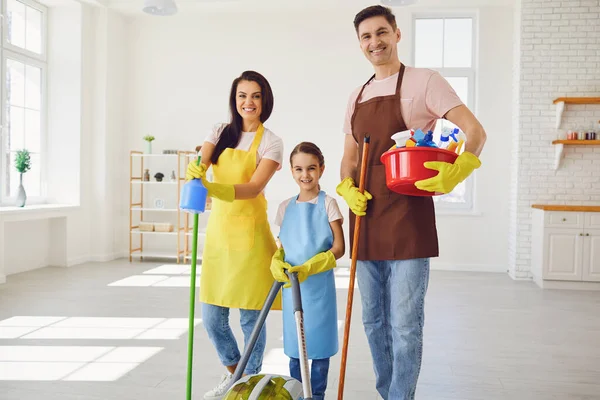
pixel 278 266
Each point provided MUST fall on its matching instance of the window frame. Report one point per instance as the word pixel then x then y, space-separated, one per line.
pixel 8 46
pixel 9 51
pixel 469 204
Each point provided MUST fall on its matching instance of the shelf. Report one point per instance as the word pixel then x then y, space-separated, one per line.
pixel 561 101
pixel 154 209
pixel 560 147
pixel 577 100
pixel 138 205
pixel 558 207
pixel 136 230
pixel 578 142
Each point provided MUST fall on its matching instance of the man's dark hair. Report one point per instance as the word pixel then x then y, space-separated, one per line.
pixel 375 11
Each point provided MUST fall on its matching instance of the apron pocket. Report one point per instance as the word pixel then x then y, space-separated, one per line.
pixel 235 232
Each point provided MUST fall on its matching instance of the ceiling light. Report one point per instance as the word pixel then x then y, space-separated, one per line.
pixel 160 7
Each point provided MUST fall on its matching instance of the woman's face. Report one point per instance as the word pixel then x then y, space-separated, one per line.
pixel 249 100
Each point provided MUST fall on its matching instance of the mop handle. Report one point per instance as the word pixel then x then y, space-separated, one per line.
pixel 361 188
pixel 299 317
pixel 188 395
pixel 262 316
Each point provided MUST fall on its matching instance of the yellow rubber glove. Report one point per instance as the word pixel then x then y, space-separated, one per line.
pixel 356 200
pixel 278 266
pixel 220 191
pixel 319 263
pixel 195 171
pixel 449 175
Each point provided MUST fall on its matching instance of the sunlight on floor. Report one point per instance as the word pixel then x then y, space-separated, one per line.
pixel 26 327
pixel 70 363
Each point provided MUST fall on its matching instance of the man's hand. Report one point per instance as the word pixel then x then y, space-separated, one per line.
pixel 449 175
pixel 356 200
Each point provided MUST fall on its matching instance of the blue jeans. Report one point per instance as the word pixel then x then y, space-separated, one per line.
pixel 319 369
pixel 393 296
pixel 216 321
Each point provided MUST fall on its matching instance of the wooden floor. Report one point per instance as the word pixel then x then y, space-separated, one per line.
pixel 119 331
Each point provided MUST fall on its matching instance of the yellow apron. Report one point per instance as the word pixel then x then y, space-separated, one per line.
pixel 239 243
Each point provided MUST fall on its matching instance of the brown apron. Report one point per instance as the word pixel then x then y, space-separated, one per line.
pixel 396 227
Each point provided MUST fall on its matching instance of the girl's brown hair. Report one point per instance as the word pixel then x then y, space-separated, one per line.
pixel 308 148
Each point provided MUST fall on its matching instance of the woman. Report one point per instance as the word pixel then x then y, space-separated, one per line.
pixel 239 243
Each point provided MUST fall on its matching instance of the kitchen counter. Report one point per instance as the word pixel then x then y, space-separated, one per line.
pixel 558 207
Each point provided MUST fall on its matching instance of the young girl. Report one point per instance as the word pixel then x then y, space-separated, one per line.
pixel 312 239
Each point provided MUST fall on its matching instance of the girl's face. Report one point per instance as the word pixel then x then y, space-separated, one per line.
pixel 248 99
pixel 307 171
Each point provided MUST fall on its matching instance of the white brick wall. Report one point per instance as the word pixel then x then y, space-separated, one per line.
pixel 559 56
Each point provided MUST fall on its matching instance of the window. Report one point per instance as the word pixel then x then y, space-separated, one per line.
pixel 446 44
pixel 23 72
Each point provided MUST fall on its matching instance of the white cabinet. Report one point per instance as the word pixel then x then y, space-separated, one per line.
pixel 566 248
pixel 591 255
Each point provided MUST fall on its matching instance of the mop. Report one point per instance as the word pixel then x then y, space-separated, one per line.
pixel 193 200
pixel 361 185
pixel 267 386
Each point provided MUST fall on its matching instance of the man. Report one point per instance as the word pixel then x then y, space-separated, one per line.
pixel 398 233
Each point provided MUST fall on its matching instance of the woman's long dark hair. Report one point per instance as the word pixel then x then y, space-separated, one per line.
pixel 231 134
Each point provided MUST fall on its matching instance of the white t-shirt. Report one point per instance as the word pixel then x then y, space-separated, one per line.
pixel 270 147
pixel 331 206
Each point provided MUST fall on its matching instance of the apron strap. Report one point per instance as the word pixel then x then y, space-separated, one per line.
pixel 361 92
pixel 321 201
pixel 400 76
pixel 257 138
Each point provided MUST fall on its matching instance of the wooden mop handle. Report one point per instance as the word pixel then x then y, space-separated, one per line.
pixel 361 188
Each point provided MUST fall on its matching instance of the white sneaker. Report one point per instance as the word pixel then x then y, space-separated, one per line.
pixel 219 391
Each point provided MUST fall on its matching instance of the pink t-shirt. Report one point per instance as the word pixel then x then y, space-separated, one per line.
pixel 425 97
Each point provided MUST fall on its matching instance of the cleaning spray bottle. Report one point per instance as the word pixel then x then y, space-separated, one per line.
pixel 445 137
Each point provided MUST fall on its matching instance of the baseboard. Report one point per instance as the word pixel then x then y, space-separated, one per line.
pixel 96 258
pixel 521 275
pixel 109 257
pixel 567 285
pixel 446 266
pixel 77 260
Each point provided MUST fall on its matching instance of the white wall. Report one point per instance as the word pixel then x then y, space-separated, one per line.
pixel 560 44
pixel 182 67
pixel 85 126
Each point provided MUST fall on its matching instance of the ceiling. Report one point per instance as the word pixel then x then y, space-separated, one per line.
pixel 219 6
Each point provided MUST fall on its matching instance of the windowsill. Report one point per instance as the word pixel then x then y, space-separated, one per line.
pixel 36 211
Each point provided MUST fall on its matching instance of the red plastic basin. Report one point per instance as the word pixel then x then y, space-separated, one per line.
pixel 404 166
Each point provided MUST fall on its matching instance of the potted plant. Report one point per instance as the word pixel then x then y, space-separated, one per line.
pixel 149 139
pixel 22 164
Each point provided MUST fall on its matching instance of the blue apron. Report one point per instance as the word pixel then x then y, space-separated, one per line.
pixel 305 232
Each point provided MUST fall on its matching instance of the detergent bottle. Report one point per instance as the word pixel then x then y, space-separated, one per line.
pixel 427 140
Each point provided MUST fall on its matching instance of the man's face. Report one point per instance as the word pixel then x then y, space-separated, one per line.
pixel 378 40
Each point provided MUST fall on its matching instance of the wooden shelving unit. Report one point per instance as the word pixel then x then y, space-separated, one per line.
pixel 140 207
